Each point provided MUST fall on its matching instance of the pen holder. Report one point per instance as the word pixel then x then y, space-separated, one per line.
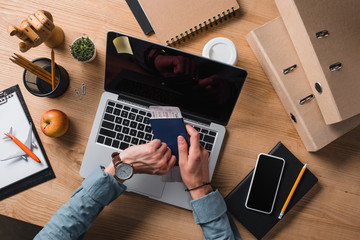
pixel 41 88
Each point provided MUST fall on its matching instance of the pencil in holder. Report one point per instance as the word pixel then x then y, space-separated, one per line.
pixel 41 86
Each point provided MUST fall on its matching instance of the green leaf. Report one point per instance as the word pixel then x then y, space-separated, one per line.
pixel 82 49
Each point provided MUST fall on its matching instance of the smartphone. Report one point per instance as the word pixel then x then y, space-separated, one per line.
pixel 265 183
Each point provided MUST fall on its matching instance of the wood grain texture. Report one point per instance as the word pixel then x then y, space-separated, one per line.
pixel 329 211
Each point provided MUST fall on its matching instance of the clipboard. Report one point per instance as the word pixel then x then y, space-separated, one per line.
pixel 18 174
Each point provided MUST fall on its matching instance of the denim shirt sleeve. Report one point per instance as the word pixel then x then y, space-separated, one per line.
pixel 75 217
pixel 210 213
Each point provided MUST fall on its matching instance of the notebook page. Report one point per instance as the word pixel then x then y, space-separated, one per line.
pixel 171 18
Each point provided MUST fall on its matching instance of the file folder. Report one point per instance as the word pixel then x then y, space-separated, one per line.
pixel 275 52
pixel 326 36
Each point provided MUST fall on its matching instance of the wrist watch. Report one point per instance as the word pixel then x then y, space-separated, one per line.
pixel 123 170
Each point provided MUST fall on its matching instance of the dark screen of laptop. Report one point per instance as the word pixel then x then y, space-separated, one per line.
pixel 159 75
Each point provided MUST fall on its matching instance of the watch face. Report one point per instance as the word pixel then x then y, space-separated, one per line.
pixel 124 171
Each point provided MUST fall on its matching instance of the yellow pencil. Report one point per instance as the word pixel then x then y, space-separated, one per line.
pixel 292 191
pixel 52 69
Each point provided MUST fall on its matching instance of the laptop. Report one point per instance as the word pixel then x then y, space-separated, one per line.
pixel 139 74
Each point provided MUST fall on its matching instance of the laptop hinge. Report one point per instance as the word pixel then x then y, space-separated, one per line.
pixel 187 117
pixel 192 122
pixel 195 119
pixel 132 102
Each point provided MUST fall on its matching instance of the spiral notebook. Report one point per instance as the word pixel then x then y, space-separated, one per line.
pixel 178 20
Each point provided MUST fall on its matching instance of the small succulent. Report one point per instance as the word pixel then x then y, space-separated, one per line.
pixel 82 49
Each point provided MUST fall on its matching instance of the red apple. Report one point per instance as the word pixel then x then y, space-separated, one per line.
pixel 54 123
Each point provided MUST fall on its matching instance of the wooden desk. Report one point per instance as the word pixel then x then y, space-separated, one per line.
pixel 330 211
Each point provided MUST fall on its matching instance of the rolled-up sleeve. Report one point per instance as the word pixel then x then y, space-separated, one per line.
pixel 75 217
pixel 210 213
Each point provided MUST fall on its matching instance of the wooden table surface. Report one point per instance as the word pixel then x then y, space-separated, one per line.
pixel 329 211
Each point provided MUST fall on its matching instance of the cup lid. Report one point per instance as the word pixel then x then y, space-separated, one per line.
pixel 221 49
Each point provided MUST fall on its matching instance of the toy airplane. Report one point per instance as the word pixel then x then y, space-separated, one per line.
pixel 20 153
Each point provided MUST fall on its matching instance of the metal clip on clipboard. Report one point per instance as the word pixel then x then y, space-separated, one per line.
pixel 3 97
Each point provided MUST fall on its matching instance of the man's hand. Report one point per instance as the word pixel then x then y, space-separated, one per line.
pixel 152 158
pixel 194 165
pixel 170 66
pixel 217 89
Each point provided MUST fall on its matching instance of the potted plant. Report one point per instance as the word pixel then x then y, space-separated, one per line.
pixel 83 49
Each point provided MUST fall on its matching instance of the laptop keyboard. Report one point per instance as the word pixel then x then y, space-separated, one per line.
pixel 123 126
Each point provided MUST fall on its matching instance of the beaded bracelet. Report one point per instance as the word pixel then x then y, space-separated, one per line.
pixel 206 183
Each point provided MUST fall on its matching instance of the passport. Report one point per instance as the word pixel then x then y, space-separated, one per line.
pixel 167 124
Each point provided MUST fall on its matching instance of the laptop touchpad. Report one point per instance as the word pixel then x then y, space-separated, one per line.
pixel 146 184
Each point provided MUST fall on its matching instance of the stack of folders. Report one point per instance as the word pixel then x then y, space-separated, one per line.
pixel 310 56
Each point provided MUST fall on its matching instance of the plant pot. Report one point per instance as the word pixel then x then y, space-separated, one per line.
pixel 77 52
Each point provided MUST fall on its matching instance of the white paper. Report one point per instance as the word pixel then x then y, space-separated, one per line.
pixel 13 170
pixel 165 112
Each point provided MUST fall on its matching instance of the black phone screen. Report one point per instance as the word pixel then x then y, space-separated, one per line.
pixel 265 182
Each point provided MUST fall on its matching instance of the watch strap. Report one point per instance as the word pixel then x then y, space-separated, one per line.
pixel 116 159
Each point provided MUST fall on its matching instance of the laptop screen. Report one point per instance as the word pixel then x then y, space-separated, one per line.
pixel 154 74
